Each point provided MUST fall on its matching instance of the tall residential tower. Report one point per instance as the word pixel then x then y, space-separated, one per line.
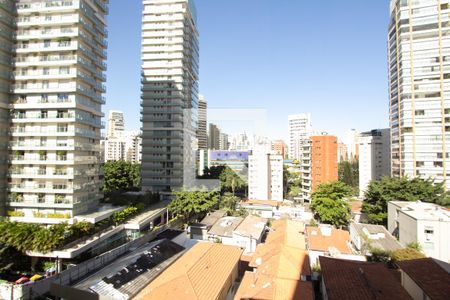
pixel 419 75
pixel 59 59
pixel 299 131
pixel 170 54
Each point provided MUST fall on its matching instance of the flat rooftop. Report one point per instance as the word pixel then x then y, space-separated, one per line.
pixel 225 226
pixel 377 235
pixel 251 226
pixel 423 210
pixel 102 212
pixel 211 219
pixel 147 215
pixel 130 273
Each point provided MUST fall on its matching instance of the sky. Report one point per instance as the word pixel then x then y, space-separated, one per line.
pixel 270 58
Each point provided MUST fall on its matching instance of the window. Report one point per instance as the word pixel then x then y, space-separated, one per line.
pixel 420 112
pixel 420 163
pixel 45 71
pixel 47 43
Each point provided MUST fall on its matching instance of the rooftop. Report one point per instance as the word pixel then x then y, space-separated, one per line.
pixel 211 218
pixel 377 236
pixel 147 215
pixel 127 275
pixel 423 211
pixel 348 280
pixel 328 239
pixel 252 226
pixel 200 273
pixel 430 276
pixel 280 263
pixel 102 212
pixel 225 226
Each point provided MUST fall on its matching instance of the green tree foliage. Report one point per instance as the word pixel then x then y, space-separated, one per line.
pixel 123 215
pixel 232 182
pixel 190 204
pixel 212 173
pixel 121 176
pixel 329 203
pixel 348 172
pixel 292 182
pixel 229 202
pixel 380 192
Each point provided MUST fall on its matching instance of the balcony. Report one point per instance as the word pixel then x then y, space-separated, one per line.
pixel 47 6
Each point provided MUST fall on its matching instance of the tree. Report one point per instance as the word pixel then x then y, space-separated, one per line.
pixel 212 173
pixel 329 203
pixel 348 172
pixel 121 176
pixel 231 182
pixel 228 203
pixel 380 192
pixel 292 182
pixel 190 204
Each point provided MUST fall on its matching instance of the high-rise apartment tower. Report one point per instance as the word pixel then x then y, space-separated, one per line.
pixel 170 54
pixel 59 59
pixel 419 81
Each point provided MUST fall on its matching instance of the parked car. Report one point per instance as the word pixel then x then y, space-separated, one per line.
pixel 36 277
pixel 22 280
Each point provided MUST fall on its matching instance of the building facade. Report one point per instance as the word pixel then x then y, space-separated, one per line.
pixel 7 30
pixel 300 129
pixel 319 163
pixel 425 223
pixel 202 132
pixel 265 176
pixel 351 142
pixel 213 137
pixel 419 79
pixel 116 123
pixel 374 156
pixel 170 62
pixel 56 99
pixel 279 147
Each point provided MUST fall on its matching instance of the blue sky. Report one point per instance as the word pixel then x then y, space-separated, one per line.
pixel 285 57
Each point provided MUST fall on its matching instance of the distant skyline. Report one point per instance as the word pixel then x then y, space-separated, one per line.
pixel 282 57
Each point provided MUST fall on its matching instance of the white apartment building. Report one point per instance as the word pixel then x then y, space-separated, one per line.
pixel 425 223
pixel 240 142
pixel 170 58
pixel 7 30
pixel 202 131
pixel 419 75
pixel 351 141
pixel 56 100
pixel 265 176
pixel 126 146
pixel 116 124
pixel 374 156
pixel 300 129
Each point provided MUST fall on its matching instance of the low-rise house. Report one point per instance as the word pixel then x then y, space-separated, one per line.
pixel 348 279
pixel 249 233
pixel 281 268
pixel 206 271
pixel 199 231
pixel 356 210
pixel 222 230
pixel 426 278
pixel 263 208
pixel 365 237
pixel 326 240
pixel 425 223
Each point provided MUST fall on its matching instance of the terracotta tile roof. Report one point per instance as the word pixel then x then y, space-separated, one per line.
pixel 429 276
pixel 263 287
pixel 355 280
pixel 201 273
pixel 280 262
pixel 339 239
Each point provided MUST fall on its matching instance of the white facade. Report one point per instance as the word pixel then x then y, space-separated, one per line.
pixel 116 124
pixel 419 75
pixel 124 146
pixel 424 223
pixel 240 142
pixel 265 176
pixel 300 129
pixel 56 101
pixel 374 157
pixel 170 54
pixel 351 142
